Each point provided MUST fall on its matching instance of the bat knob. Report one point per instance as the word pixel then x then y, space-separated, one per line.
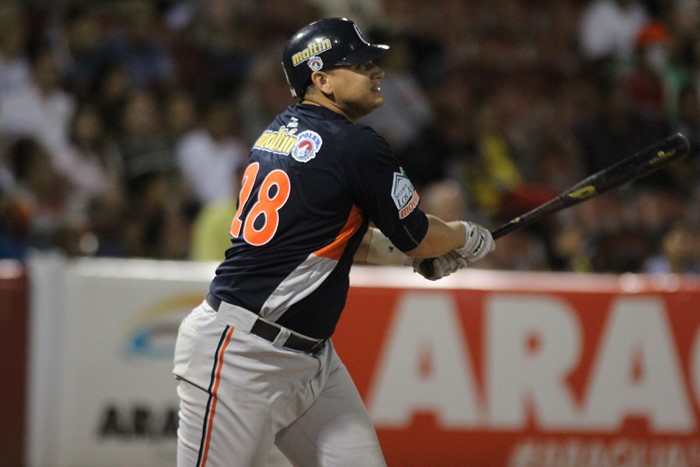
pixel 426 268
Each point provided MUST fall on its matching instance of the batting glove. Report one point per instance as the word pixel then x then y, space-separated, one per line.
pixel 442 266
pixel 478 243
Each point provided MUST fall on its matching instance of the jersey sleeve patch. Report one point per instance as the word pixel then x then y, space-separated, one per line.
pixel 404 195
pixel 307 145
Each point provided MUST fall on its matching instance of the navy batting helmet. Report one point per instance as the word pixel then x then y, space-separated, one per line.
pixel 324 44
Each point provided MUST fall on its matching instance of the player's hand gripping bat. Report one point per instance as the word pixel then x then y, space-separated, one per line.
pixel 631 168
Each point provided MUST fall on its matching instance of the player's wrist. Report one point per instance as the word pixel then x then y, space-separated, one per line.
pixel 478 242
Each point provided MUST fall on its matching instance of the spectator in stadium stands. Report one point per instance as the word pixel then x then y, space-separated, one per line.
pixel 571 249
pixel 110 93
pixel 104 235
pixel 89 161
pixel 608 28
pixel 180 111
pixel 446 199
pixel 489 169
pixel 40 194
pixel 39 108
pixel 222 42
pixel 558 164
pixel 209 155
pixel 676 251
pixel 81 47
pixel 137 45
pixel 155 225
pixel 656 207
pixel 210 231
pixel 14 63
pixel 144 145
pixel 653 79
pixel 522 251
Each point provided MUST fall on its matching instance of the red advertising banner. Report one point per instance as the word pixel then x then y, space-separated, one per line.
pixel 525 370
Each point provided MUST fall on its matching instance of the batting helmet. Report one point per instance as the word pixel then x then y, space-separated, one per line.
pixel 324 44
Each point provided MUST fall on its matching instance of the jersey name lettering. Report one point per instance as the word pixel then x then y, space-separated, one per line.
pixel 278 142
pixel 302 147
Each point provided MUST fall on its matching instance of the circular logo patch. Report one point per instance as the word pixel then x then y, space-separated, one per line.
pixel 307 146
pixel 315 63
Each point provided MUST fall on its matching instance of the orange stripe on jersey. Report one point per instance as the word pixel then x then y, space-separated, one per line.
pixel 336 248
pixel 217 380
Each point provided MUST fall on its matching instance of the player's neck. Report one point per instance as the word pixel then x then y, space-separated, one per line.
pixel 308 101
pixel 329 104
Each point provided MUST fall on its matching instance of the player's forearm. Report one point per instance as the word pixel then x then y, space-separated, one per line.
pixel 378 249
pixel 441 238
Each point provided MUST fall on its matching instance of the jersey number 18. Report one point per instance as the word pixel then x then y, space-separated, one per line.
pixel 272 195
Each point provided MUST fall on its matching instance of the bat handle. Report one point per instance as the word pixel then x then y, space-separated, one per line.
pixel 426 266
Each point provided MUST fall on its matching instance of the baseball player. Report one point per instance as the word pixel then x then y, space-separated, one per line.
pixel 254 362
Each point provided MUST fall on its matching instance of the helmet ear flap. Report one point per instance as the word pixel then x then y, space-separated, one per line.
pixel 291 87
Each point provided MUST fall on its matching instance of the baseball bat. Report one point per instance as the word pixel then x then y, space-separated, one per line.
pixel 638 165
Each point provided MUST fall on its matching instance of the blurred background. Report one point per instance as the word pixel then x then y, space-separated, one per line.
pixel 124 124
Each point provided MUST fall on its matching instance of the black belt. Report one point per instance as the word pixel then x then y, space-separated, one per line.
pixel 270 331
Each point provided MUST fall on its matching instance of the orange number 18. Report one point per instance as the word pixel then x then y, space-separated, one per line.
pixel 268 204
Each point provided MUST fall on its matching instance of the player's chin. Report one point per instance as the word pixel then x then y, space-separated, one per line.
pixel 377 98
pixel 364 106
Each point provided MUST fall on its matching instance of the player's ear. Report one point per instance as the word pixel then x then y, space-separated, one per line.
pixel 321 81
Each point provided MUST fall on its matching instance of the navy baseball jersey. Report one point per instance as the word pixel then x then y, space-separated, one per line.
pixel 313 183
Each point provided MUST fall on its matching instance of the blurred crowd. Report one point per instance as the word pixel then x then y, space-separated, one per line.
pixel 124 125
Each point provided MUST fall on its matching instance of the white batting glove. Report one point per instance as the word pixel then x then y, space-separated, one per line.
pixel 478 243
pixel 442 266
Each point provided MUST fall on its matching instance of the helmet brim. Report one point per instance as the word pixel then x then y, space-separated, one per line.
pixel 367 54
